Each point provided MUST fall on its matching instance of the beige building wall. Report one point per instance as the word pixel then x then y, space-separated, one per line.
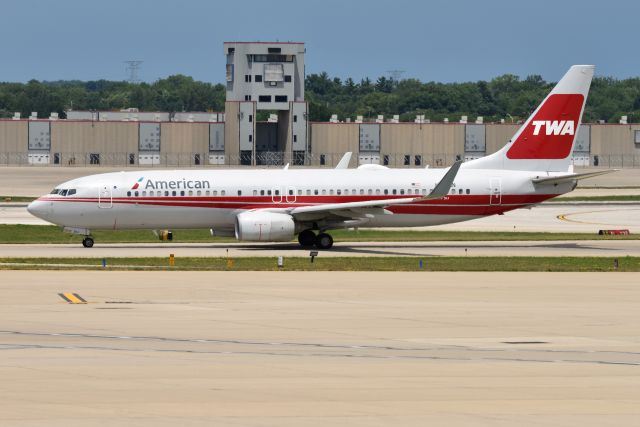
pixel 114 141
pixel 184 138
pixel 333 140
pixel 437 143
pixel 14 136
pixel 497 136
pixel 232 133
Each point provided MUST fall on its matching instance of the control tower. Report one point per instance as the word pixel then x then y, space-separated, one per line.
pixel 265 76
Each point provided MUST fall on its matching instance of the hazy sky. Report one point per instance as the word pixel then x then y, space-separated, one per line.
pixel 457 40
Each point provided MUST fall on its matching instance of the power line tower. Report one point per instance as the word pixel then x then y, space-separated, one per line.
pixel 395 75
pixel 132 70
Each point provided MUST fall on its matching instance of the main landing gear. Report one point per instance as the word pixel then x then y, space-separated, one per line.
pixel 308 238
pixel 87 242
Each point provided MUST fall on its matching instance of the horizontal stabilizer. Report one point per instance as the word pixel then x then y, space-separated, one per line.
pixel 569 178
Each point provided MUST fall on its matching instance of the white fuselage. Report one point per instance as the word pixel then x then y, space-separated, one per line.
pixel 213 198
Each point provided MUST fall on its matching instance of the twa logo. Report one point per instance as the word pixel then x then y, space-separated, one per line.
pixel 137 184
pixel 556 127
pixel 550 133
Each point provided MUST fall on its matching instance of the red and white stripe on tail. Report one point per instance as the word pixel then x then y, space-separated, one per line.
pixel 545 141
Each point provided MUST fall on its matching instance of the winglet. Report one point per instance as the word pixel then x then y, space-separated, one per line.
pixel 344 161
pixel 286 167
pixel 442 188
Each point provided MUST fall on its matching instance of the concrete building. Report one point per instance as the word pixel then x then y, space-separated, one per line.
pixel 265 76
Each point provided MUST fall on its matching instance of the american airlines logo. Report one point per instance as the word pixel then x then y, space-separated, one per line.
pixel 182 184
pixel 554 127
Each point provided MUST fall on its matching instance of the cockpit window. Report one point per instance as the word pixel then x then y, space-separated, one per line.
pixel 55 191
pixel 71 192
pixel 63 192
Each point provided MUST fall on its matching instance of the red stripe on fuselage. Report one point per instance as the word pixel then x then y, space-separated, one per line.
pixel 450 205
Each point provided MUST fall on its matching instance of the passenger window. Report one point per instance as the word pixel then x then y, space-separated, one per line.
pixel 255 192
pixel 262 192
pixel 315 192
pixel 128 193
pixel 324 192
pixel 182 193
pixel 299 192
pixel 173 193
pixel 215 192
pixel 223 192
pixel 401 191
pixel 354 192
pixel 460 191
pixel 453 191
pixel 277 192
pixel 361 191
pixel 338 192
pixel 207 193
pixel 198 193
pixel 268 192
pixel 377 191
pixel 135 194
pixel 424 191
pixel 346 191
pixel 291 192
pixel 190 192
pixel 369 191
pixel 239 192
pixel 386 191
pixel 468 191
pixel 308 192
pixel 331 192
pixel 166 193
pixel 144 193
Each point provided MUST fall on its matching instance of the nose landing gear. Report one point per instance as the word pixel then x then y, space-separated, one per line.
pixel 87 242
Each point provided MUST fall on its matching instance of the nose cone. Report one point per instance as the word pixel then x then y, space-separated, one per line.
pixel 39 209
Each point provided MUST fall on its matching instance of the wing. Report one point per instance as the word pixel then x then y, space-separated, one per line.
pixel 360 211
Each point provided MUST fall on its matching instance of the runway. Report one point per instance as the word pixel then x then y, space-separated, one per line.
pixel 317 349
pixel 604 248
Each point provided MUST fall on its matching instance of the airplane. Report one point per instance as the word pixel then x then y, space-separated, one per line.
pixel 265 205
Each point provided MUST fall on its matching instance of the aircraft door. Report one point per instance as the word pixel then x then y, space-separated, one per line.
pixel 495 191
pixel 105 197
pixel 290 197
pixel 276 195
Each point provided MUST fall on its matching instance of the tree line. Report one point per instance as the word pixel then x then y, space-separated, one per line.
pixel 505 97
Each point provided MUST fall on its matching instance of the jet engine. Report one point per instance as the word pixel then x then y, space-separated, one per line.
pixel 257 226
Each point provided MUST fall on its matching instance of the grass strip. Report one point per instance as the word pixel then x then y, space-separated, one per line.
pixel 556 264
pixel 50 234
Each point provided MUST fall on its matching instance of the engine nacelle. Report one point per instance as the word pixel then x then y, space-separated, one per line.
pixel 260 226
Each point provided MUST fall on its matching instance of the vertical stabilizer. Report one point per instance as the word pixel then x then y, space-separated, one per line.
pixel 545 141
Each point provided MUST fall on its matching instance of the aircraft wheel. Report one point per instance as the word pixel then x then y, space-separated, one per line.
pixel 324 241
pixel 87 242
pixel 307 238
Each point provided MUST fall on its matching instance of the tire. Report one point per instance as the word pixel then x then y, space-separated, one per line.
pixel 307 238
pixel 87 242
pixel 324 241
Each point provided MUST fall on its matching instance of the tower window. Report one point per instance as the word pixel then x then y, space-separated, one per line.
pixel 287 79
pixel 258 78
pixel 281 98
pixel 264 98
